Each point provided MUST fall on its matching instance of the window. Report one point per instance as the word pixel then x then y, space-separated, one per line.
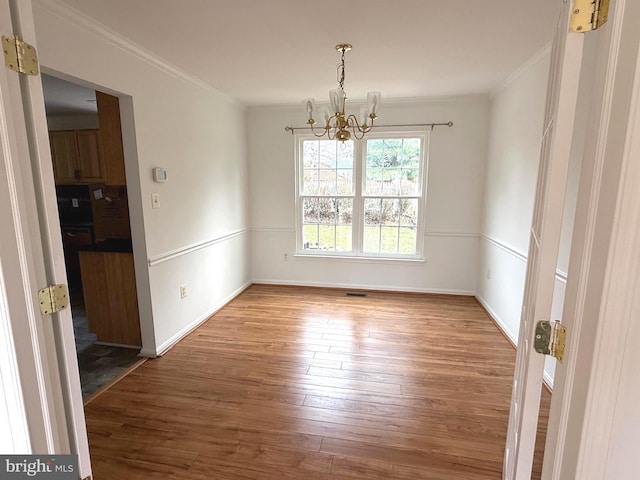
pixel 363 198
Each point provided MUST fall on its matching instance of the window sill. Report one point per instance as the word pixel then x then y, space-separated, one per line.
pixel 360 258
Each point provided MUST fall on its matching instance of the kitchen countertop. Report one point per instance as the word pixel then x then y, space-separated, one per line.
pixel 112 245
pixel 69 225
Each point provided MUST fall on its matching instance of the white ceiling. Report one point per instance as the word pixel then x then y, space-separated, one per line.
pixel 265 52
pixel 65 98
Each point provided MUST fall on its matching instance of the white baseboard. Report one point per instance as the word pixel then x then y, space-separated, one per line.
pixel 499 322
pixel 547 378
pixel 383 288
pixel 165 346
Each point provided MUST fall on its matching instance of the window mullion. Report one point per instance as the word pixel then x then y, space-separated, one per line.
pixel 380 224
pixel 357 225
pixel 398 236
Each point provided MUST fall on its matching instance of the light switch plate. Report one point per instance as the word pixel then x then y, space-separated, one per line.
pixel 155 200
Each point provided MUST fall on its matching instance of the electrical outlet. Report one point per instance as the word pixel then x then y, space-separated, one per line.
pixel 183 290
pixel 155 200
pixel 285 257
pixel 489 273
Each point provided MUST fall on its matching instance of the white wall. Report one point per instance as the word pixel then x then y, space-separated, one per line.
pixel 200 234
pixel 517 112
pixel 454 201
pixel 72 122
pixel 623 460
pixel 517 116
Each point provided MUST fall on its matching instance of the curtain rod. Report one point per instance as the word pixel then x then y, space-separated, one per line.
pixel 432 125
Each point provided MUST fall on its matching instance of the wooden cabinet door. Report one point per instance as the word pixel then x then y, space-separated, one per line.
pixel 111 136
pixel 77 156
pixel 110 300
pixel 64 153
pixel 90 162
pixel 72 240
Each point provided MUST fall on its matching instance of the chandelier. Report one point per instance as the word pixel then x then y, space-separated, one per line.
pixel 337 124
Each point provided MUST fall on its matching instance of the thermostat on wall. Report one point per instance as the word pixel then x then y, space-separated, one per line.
pixel 159 175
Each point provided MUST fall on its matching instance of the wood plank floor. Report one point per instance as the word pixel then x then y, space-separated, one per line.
pixel 303 383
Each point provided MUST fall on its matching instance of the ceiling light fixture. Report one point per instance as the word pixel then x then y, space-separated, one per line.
pixel 337 124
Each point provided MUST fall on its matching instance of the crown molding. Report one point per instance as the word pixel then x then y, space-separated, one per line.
pixel 113 38
pixel 522 69
pixel 463 98
pixel 386 102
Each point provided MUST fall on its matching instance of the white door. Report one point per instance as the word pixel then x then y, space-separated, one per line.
pixel 31 258
pixel 566 60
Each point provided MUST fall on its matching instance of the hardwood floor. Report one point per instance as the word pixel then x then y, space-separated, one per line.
pixel 303 383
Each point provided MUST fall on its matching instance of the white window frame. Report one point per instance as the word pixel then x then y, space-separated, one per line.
pixel 358 198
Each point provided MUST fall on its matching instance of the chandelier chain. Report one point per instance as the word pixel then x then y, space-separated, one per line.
pixel 341 69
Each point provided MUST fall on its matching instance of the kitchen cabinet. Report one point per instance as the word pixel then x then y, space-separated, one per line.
pixel 111 136
pixel 110 299
pixel 77 156
pixel 74 238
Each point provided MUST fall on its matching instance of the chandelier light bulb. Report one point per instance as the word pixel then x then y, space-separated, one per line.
pixel 373 101
pixel 325 115
pixel 364 115
pixel 310 106
pixel 337 96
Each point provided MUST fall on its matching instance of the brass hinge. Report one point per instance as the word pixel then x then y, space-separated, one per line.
pixel 589 15
pixel 53 299
pixel 550 339
pixel 20 56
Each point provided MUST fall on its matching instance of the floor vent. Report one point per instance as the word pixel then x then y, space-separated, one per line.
pixel 356 294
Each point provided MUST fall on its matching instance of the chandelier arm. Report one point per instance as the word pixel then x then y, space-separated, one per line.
pixel 355 125
pixel 319 135
pixel 370 126
pixel 355 134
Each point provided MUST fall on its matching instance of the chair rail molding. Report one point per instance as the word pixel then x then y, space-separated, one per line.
pixel 179 252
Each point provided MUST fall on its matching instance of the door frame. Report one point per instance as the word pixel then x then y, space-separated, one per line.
pixel 544 241
pixel 135 200
pixel 45 344
pixel 20 371
pixel 59 415
pixel 604 267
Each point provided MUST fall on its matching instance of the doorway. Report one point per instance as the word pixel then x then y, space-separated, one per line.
pixel 91 192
